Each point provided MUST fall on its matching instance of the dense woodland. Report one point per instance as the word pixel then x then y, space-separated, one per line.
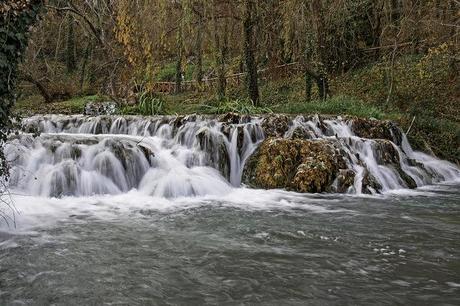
pixel 113 46
pixel 400 56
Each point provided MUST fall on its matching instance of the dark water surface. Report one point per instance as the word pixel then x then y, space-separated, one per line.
pixel 401 249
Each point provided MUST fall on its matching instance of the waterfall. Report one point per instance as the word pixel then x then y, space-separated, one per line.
pixel 168 156
pixel 364 156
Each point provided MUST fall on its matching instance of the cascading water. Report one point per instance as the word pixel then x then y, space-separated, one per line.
pixel 135 211
pixel 187 156
pixel 85 156
pixel 367 156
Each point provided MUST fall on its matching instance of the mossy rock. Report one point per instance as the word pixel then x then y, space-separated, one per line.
pixel 276 125
pixel 388 155
pixel 345 180
pixel 308 166
pixel 376 129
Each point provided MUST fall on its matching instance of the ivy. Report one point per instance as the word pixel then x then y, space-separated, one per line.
pixel 16 19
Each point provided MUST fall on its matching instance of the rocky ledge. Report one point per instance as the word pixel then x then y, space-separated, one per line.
pixel 295 164
pixel 301 153
pixel 320 165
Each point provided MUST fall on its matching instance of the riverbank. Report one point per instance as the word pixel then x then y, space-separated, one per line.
pixel 424 101
pixel 436 136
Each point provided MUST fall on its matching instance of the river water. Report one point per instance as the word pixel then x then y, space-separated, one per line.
pixel 152 211
pixel 248 247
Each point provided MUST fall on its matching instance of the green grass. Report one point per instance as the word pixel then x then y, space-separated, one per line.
pixel 340 105
pixel 241 106
pixel 34 104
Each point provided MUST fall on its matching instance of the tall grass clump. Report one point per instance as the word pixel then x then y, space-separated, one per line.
pixel 148 105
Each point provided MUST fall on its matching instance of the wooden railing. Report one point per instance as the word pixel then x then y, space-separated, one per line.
pixel 233 80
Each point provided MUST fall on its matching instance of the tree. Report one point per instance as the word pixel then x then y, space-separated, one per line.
pixel 71 62
pixel 250 49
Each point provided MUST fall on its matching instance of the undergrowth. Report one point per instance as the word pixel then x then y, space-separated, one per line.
pixel 241 106
pixel 339 105
pixel 148 105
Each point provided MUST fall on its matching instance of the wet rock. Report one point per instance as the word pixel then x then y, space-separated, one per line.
pixel 100 108
pixel 75 153
pixel 232 118
pixel 177 122
pixel 386 154
pixel 294 164
pixel 345 180
pixel 376 129
pixel 148 153
pixel 408 180
pixel 214 146
pixel 276 125
pixel 300 133
pixel 370 184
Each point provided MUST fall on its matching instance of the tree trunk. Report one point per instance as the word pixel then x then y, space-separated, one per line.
pixel 222 88
pixel 199 52
pixel 308 86
pixel 220 60
pixel 318 23
pixel 180 46
pixel 83 67
pixel 323 87
pixel 178 86
pixel 454 44
pixel 70 52
pixel 178 77
pixel 250 11
pixel 222 81
pixel 41 88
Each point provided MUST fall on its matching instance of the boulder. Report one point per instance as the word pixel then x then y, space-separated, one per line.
pixel 386 154
pixel 376 129
pixel 345 180
pixel 276 125
pixel 295 164
pixel 234 118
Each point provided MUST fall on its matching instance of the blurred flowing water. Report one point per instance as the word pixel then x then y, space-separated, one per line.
pixel 151 211
pixel 249 247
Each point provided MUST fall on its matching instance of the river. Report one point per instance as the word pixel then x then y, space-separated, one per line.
pixel 250 247
pixel 115 211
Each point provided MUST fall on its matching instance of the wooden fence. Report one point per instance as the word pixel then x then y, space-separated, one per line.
pixel 233 80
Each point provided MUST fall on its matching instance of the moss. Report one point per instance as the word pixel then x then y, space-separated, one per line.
pixel 377 129
pixel 295 164
pixel 345 180
pixel 276 125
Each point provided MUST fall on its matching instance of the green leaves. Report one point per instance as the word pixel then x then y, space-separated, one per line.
pixel 16 18
pixel 149 105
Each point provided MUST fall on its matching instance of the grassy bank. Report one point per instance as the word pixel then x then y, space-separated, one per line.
pixel 35 104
